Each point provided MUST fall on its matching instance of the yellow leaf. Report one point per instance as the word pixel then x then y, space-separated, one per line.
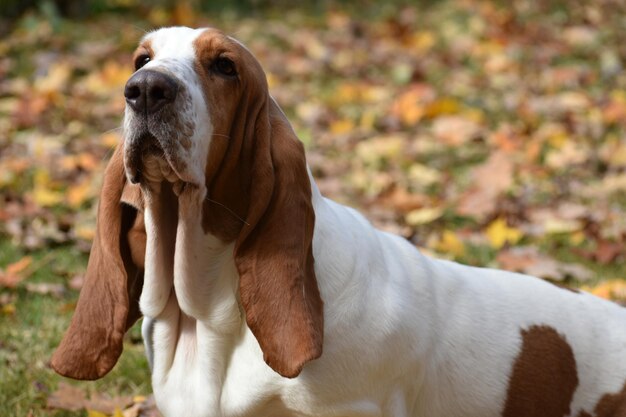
pixel 423 40
pixel 43 194
pixel 111 139
pixel 556 226
pixel 339 127
pixel 94 413
pixel 450 243
pixel 558 140
pixel 118 413
pixel 577 238
pixel 409 105
pixel 423 216
pixel 47 198
pixel 500 234
pixel 85 232
pixel 612 289
pixel 346 93
pixel 8 309
pixel 139 399
pixel 442 106
pixel 423 176
pixel 380 148
pixel 55 80
pixel 78 194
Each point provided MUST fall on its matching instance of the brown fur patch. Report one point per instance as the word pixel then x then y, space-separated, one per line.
pixel 610 405
pixel 544 376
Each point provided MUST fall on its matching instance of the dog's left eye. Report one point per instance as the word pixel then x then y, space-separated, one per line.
pixel 225 67
pixel 141 61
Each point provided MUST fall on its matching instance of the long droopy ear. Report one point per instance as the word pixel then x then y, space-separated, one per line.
pixel 108 303
pixel 273 252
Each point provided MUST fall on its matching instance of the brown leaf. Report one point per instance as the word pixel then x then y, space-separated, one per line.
pixel 455 130
pixel 489 180
pixel 529 261
pixel 606 251
pixel 67 397
pixel 401 200
pixel 105 404
pixel 15 272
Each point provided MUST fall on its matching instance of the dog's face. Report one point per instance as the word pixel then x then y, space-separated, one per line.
pixel 188 85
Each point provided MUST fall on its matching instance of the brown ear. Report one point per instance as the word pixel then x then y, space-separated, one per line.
pixel 274 254
pixel 93 342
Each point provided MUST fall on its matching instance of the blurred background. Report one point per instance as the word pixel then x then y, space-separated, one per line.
pixel 491 133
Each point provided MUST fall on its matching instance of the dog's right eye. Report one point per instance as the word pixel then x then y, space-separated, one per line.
pixel 141 61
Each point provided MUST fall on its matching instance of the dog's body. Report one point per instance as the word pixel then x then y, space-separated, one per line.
pixel 234 275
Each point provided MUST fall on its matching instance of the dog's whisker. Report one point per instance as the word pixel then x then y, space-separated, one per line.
pixel 229 210
pixel 112 130
pixel 107 155
pixel 219 134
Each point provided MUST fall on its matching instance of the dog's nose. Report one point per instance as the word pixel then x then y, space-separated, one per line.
pixel 148 90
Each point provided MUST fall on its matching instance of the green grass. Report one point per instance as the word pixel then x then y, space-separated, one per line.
pixel 30 334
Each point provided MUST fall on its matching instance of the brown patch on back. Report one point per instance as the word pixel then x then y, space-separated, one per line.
pixel 544 376
pixel 610 405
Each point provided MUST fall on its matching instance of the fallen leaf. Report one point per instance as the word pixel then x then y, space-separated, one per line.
pixel 8 309
pixel 500 234
pixel 455 130
pixel 489 180
pixel 449 243
pixel 16 272
pixel 529 261
pixel 108 405
pixel 67 397
pixel 612 289
pixel 423 216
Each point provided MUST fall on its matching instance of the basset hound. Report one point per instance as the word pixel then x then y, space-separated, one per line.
pixel 260 297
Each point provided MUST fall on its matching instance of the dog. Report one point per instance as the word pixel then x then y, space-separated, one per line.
pixel 262 297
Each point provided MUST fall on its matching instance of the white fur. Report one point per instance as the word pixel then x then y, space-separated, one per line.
pixel 174 54
pixel 404 334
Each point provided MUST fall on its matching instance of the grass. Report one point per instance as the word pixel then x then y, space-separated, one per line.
pixel 29 334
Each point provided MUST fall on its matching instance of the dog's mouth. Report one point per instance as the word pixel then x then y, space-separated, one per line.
pixel 147 161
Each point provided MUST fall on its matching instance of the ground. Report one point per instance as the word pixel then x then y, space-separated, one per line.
pixel 494 135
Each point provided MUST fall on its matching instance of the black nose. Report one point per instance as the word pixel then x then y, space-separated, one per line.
pixel 148 90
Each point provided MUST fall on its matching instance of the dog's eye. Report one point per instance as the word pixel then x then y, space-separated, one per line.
pixel 225 67
pixel 141 61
